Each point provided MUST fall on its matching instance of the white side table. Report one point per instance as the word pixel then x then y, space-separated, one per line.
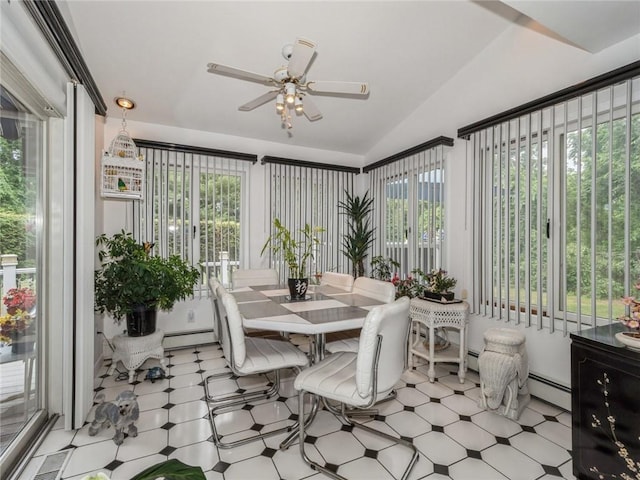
pixel 133 351
pixel 425 317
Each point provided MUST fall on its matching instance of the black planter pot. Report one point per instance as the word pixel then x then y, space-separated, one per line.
pixel 22 345
pixel 448 296
pixel 142 321
pixel 298 288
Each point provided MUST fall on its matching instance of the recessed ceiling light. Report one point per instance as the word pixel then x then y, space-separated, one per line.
pixel 125 103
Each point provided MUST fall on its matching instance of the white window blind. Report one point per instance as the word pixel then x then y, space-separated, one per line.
pixel 193 206
pixel 304 192
pixel 409 220
pixel 556 212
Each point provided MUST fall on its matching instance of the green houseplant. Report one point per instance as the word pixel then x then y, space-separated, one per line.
pixel 359 238
pixel 296 249
pixel 134 284
pixel 439 285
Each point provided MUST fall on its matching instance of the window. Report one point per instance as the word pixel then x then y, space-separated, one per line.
pixel 409 192
pixel 193 206
pixel 557 209
pixel 303 193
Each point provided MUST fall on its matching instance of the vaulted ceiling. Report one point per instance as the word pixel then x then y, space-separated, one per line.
pixel 156 52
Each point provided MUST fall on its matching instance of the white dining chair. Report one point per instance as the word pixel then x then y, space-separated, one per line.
pixel 254 277
pixel 374 288
pixel 368 287
pixel 358 380
pixel 247 356
pixel 213 296
pixel 343 281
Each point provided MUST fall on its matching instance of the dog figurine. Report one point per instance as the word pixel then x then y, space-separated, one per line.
pixel 121 413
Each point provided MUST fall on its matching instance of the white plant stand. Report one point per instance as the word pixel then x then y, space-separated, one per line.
pixel 134 351
pixel 426 316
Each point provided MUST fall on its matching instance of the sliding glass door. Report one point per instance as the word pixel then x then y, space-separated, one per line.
pixel 21 152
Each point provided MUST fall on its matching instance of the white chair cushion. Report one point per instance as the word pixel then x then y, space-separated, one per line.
pixel 264 355
pixel 343 345
pixel 333 378
pixel 338 280
pixel 373 288
pixel 254 276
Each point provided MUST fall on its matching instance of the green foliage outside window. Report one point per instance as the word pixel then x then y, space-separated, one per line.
pixel 17 193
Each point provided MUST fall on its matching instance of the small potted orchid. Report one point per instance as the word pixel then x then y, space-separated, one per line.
pixel 632 320
pixel 439 285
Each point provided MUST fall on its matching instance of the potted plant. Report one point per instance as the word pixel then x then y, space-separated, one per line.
pixel 296 250
pixel 359 238
pixel 134 284
pixel 439 285
pixel 17 326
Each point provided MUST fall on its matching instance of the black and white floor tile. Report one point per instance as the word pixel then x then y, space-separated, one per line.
pixel 456 439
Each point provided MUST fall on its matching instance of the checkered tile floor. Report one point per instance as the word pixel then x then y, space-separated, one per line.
pixel 456 439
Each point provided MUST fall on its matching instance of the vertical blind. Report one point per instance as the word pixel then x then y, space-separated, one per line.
pixel 304 193
pixel 193 206
pixel 556 212
pixel 409 207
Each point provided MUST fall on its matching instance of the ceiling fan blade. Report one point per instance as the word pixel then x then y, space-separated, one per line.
pixel 303 51
pixel 261 100
pixel 351 88
pixel 310 110
pixel 237 73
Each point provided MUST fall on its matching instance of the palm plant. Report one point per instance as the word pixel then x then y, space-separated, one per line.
pixel 359 238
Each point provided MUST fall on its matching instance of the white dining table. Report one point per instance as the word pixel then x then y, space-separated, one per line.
pixel 325 309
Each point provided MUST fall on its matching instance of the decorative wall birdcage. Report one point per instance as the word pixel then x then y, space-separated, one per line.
pixel 122 145
pixel 122 177
pixel 122 170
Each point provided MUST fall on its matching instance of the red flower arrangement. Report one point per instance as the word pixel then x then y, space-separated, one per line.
pixel 23 299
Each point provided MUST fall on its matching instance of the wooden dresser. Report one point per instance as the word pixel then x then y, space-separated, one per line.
pixel 605 403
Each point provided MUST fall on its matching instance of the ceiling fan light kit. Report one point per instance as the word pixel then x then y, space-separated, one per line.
pixel 292 89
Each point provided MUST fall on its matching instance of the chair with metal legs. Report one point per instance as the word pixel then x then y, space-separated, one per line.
pixel 360 379
pixel 368 287
pixel 247 356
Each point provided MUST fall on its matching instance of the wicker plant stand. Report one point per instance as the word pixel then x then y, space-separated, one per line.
pixel 428 316
pixel 134 351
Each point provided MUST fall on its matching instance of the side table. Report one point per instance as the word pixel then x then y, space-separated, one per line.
pixel 133 351
pixel 425 317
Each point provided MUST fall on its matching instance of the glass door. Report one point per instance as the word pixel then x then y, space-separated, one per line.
pixel 21 152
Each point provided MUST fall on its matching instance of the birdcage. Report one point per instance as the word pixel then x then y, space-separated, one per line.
pixel 122 177
pixel 122 170
pixel 122 145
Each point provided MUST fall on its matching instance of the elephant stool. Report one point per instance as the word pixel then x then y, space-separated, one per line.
pixel 504 368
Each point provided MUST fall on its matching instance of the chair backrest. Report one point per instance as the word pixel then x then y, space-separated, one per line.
pixel 254 276
pixel 238 351
pixel 213 296
pixel 373 288
pixel 224 328
pixel 391 323
pixel 339 280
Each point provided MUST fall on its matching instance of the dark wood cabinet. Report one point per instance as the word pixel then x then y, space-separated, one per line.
pixel 605 404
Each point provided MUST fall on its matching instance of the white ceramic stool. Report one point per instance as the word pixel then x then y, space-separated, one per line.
pixel 504 370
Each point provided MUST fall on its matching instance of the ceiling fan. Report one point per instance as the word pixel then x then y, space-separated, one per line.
pixel 291 88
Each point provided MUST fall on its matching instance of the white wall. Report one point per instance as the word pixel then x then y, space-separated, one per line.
pixel 519 66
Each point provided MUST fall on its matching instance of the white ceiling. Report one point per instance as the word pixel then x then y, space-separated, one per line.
pixel 156 52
